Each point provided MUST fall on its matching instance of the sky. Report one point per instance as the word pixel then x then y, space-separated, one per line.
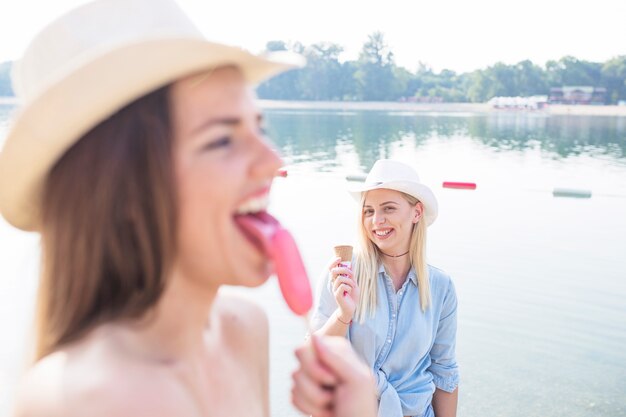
pixel 459 35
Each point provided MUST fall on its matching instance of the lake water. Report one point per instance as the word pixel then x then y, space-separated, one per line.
pixel 541 280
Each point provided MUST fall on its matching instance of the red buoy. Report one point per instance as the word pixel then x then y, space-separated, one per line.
pixel 460 185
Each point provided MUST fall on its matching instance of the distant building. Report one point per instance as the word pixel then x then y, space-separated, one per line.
pixel 577 95
pixel 519 103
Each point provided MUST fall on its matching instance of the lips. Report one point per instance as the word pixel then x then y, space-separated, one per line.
pixel 382 234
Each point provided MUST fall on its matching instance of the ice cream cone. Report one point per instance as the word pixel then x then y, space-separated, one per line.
pixel 344 252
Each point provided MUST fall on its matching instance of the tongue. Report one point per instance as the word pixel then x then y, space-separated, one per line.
pixel 260 229
pixel 278 244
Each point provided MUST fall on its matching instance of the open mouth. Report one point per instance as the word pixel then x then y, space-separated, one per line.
pixel 382 234
pixel 256 224
pixel 265 232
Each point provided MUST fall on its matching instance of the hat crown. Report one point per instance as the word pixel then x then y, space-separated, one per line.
pixel 92 29
pixel 387 170
pixel 398 176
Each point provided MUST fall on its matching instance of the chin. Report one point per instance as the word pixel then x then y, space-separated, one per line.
pixel 254 277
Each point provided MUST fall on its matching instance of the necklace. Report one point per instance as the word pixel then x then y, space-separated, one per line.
pixel 394 256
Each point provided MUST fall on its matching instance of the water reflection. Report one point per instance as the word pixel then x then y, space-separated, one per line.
pixel 316 135
pixel 563 135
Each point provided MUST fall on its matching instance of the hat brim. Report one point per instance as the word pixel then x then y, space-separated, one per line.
pixel 417 190
pixel 90 91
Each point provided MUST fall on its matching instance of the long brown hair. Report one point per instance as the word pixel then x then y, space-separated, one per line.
pixel 108 224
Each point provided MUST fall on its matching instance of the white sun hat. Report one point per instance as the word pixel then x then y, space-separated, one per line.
pixel 398 176
pixel 88 64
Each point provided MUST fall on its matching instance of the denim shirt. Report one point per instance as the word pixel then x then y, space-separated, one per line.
pixel 411 352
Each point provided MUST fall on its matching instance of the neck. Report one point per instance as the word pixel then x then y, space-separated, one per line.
pixel 395 256
pixel 176 327
pixel 398 267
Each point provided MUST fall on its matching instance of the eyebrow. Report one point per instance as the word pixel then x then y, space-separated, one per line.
pixel 382 204
pixel 229 121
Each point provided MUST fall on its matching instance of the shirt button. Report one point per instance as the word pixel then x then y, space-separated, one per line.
pixel 393 316
pixel 388 340
pixel 400 293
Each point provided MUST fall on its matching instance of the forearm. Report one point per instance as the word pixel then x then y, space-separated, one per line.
pixel 335 325
pixel 444 403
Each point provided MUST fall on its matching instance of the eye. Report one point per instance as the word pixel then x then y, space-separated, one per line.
pixel 368 212
pixel 218 143
pixel 389 209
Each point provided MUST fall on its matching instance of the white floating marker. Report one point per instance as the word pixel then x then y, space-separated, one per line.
pixel 356 177
pixel 571 192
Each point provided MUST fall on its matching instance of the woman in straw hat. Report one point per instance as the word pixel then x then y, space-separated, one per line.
pixel 398 312
pixel 136 152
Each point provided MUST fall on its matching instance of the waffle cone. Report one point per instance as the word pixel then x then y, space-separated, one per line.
pixel 344 252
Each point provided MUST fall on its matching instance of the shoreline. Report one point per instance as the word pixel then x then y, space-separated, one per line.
pixel 474 108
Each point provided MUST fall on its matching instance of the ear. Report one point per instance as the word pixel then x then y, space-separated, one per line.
pixel 418 211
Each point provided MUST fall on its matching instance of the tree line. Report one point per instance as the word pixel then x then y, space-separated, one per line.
pixel 374 76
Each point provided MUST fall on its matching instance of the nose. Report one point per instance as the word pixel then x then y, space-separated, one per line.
pixel 266 161
pixel 378 218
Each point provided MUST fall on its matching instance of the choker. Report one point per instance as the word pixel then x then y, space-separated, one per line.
pixel 394 256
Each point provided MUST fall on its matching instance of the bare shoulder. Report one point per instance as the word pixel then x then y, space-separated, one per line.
pixel 241 319
pixel 39 392
pixel 83 380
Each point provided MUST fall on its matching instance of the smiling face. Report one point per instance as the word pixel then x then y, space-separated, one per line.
pixel 223 164
pixel 388 220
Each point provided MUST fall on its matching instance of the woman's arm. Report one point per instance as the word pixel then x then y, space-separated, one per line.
pixel 336 325
pixel 444 367
pixel 444 403
pixel 338 297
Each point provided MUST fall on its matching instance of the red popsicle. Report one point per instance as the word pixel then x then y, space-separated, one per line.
pixel 279 245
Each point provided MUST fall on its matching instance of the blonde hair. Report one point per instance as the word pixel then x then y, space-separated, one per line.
pixel 368 257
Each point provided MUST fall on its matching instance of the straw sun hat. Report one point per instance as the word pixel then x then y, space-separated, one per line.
pixel 395 175
pixel 88 64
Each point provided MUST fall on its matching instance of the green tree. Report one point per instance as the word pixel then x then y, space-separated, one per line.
pixel 401 82
pixel 503 80
pixel 478 87
pixel 284 86
pixel 348 87
pixel 572 71
pixel 614 78
pixel 530 79
pixel 375 74
pixel 446 85
pixel 320 79
pixel 274 46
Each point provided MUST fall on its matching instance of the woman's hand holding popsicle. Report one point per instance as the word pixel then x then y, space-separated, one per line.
pixel 332 381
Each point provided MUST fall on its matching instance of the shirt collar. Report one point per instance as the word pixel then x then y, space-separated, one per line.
pixel 412 275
